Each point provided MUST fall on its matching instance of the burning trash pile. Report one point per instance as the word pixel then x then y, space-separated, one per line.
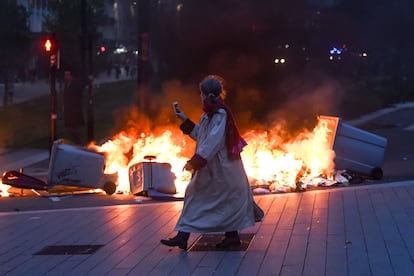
pixel 307 160
pixel 134 161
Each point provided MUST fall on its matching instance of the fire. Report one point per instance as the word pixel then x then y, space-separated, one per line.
pixel 268 162
pixel 3 189
pixel 125 150
pixel 283 166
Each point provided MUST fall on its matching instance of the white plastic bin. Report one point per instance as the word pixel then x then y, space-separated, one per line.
pixel 75 166
pixel 145 176
pixel 355 149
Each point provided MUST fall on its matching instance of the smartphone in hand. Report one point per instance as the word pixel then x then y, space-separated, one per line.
pixel 175 106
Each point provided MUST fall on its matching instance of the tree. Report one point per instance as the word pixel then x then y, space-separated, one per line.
pixel 14 34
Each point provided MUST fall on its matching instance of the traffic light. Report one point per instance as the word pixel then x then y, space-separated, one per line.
pixel 48 45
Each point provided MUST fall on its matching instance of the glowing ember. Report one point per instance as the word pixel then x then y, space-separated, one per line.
pixel 267 161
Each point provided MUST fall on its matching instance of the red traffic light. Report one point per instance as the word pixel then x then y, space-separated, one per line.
pixel 48 45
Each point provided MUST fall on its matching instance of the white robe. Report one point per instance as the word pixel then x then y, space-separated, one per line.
pixel 218 197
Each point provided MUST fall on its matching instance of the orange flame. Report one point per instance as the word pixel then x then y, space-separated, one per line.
pixel 125 150
pixel 267 161
pixel 3 189
pixel 282 166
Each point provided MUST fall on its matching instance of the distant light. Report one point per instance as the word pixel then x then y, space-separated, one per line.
pixel 120 50
pixel 279 60
pixel 179 7
pixel 331 58
pixel 102 48
pixel 287 46
pixel 364 54
pixel 335 51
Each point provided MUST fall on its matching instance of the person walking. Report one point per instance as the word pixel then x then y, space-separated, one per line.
pixel 219 197
pixel 72 107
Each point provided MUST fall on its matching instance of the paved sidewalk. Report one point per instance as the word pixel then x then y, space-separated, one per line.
pixel 366 230
pixel 16 159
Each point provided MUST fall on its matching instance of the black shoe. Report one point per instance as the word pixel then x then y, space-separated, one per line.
pixel 176 241
pixel 229 242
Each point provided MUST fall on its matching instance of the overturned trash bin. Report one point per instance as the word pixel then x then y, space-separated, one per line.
pixel 75 166
pixel 355 149
pixel 151 176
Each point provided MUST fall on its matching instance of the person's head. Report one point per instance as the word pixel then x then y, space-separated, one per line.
pixel 68 75
pixel 211 87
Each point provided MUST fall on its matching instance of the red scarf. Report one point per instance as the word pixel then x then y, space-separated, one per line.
pixel 234 142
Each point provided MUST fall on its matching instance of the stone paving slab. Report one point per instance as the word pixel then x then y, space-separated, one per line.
pixel 17 159
pixel 365 230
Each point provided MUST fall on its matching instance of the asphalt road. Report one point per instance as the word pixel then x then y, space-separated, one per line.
pixel 397 126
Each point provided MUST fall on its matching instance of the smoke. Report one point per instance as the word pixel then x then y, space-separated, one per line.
pixel 160 110
pixel 2 135
pixel 286 109
pixel 306 97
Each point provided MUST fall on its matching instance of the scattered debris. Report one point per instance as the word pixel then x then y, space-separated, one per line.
pixel 340 178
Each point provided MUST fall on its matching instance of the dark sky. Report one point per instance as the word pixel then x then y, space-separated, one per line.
pixel 239 40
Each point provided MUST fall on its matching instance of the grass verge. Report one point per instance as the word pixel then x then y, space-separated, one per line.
pixel 27 124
